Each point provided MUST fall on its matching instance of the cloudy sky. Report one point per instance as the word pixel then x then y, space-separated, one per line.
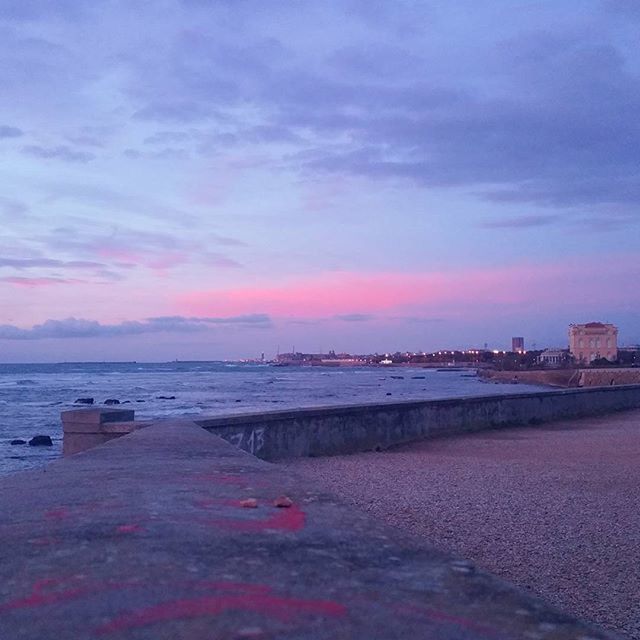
pixel 202 179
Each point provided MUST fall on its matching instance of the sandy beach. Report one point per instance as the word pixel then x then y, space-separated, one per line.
pixel 554 509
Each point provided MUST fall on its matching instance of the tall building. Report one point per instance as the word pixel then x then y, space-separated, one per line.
pixel 592 341
pixel 517 345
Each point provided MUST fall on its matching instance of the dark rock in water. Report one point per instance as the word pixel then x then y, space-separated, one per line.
pixel 84 401
pixel 112 401
pixel 41 441
pixel 418 377
pixel 18 441
pixel 238 400
pixel 397 377
pixel 165 398
pixel 388 394
pixel 126 402
pixel 140 400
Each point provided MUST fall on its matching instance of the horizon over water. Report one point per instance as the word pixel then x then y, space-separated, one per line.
pixel 32 396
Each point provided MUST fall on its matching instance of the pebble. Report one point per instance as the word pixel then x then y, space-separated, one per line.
pixel 548 509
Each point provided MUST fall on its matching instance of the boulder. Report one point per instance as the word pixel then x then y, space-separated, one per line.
pixel 41 441
pixel 18 441
pixel 112 401
pixel 84 401
pixel 165 398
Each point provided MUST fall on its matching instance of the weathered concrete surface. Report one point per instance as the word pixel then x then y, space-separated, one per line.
pixel 554 509
pixel 327 431
pixel 87 428
pixel 144 538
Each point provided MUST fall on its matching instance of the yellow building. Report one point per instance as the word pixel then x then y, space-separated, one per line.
pixel 594 340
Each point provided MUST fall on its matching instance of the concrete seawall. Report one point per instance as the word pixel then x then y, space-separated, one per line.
pixel 149 537
pixel 338 430
pixel 349 429
pixel 567 378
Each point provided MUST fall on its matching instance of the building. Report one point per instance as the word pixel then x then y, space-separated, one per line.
pixel 553 357
pixel 593 341
pixel 517 345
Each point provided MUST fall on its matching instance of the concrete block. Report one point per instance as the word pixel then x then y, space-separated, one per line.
pixel 97 416
pixel 87 428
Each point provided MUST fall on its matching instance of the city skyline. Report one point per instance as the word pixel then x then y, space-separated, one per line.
pixel 209 180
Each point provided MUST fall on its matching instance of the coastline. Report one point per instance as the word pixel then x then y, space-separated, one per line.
pixel 564 378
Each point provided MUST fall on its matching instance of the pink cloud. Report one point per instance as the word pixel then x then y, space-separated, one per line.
pixel 462 291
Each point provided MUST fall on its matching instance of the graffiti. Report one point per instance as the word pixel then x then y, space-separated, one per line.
pixel 290 520
pixel 251 441
pixel 233 597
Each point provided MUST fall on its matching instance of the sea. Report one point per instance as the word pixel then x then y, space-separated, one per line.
pixel 33 395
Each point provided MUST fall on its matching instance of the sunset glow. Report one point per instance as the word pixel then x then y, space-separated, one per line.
pixel 214 180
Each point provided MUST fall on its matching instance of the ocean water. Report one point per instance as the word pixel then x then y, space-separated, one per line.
pixel 33 395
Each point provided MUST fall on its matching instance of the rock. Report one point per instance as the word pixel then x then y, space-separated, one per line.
pixel 41 441
pixel 84 401
pixel 388 393
pixel 165 397
pixel 126 402
pixel 140 400
pixel 283 502
pixel 249 503
pixel 112 401
pixel 18 441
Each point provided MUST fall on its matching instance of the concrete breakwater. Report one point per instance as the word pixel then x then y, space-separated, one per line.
pixel 148 536
pixel 567 378
pixel 348 429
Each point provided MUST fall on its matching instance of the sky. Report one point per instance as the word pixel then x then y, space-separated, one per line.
pixel 192 179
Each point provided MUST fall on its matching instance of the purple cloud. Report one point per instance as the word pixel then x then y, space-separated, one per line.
pixel 522 222
pixel 355 317
pixel 10 132
pixel 80 328
pixel 60 153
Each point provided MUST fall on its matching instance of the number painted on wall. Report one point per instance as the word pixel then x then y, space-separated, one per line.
pixel 251 441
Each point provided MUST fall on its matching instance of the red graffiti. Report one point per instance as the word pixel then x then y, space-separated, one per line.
pixel 255 598
pixel 53 591
pixel 129 528
pixel 43 592
pixel 292 519
pixel 61 513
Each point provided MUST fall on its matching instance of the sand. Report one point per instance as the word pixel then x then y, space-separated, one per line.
pixel 554 509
